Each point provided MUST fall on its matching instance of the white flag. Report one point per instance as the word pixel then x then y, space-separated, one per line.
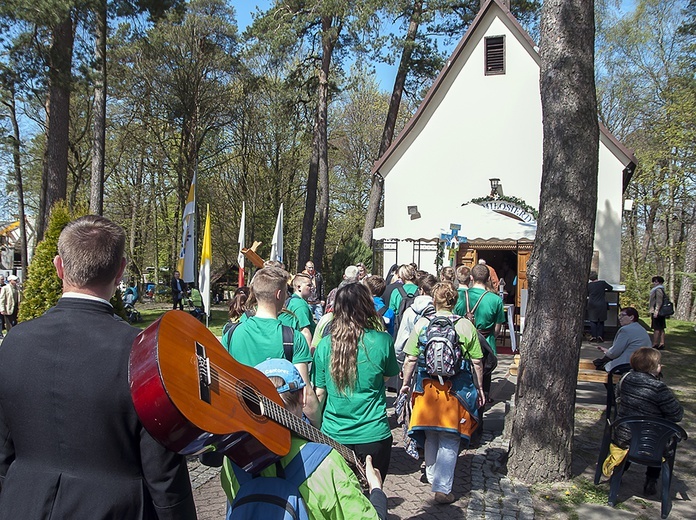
pixel 277 244
pixel 240 240
pixel 187 255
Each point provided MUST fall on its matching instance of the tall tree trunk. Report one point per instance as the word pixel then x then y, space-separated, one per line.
pixel 377 187
pixel 136 227
pixel 55 168
pixel 329 39
pixel 686 295
pixel 542 435
pixel 96 197
pixel 16 156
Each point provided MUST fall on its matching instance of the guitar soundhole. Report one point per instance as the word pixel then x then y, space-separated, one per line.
pixel 250 398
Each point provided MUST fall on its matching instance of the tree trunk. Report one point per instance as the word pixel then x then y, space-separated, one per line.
pixel 96 198
pixel 134 244
pixel 16 156
pixel 542 435
pixel 377 187
pixel 683 309
pixel 55 168
pixel 329 39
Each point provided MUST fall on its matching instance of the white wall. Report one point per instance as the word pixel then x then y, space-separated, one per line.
pixel 477 127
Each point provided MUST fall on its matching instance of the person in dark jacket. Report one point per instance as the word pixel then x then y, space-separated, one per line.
pixel 597 306
pixel 178 291
pixel 642 392
pixel 72 444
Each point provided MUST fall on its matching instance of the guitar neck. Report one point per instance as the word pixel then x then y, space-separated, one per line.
pixel 277 413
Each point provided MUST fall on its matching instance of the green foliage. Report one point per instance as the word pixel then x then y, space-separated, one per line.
pixel 43 287
pixel 350 253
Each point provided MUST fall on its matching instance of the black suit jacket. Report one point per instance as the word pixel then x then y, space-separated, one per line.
pixel 175 289
pixel 72 444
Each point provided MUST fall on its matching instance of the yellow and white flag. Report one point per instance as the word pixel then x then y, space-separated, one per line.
pixel 206 259
pixel 187 255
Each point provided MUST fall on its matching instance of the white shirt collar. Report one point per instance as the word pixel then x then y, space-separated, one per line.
pixel 83 296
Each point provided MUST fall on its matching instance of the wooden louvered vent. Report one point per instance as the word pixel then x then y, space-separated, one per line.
pixel 495 55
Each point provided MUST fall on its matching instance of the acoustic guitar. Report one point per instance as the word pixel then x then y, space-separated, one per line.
pixel 193 397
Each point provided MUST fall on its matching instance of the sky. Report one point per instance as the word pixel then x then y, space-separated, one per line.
pixel 385 74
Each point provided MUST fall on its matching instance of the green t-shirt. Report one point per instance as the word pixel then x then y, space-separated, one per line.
pixel 395 299
pixel 285 317
pixel 331 492
pixel 358 415
pixel 301 310
pixel 258 339
pixel 289 319
pixel 465 329
pixel 488 314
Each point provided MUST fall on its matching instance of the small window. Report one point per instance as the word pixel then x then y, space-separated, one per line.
pixel 495 55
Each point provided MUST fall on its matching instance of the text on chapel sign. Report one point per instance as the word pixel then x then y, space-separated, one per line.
pixel 510 208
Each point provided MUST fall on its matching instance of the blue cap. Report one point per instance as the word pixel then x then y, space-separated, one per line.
pixel 285 370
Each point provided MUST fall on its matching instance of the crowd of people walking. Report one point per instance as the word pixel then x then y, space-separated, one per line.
pixel 331 358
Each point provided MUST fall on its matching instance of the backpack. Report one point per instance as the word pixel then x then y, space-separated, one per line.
pixel 490 360
pixel 443 353
pixel 471 310
pixel 277 497
pixel 405 303
pixel 288 337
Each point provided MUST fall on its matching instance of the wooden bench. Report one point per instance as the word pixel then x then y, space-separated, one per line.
pixel 587 373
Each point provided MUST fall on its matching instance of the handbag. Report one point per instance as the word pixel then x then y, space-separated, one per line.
pixel 667 308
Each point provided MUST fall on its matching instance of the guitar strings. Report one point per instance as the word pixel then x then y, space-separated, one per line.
pixel 255 397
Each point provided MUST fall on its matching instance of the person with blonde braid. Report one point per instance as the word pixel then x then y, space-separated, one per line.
pixel 445 414
pixel 351 366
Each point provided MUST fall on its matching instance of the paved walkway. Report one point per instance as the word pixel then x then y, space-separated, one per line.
pixel 480 485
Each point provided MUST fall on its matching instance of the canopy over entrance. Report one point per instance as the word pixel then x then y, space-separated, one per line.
pixel 477 224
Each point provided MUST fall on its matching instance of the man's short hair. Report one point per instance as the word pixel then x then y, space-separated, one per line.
pixel 274 263
pixel 480 273
pixel 300 278
pixel 593 275
pixel 376 284
pixel 91 249
pixel 350 274
pixel 463 274
pixel 658 279
pixel 267 281
pixel 645 359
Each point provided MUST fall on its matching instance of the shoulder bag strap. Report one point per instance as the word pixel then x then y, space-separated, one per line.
pixel 288 342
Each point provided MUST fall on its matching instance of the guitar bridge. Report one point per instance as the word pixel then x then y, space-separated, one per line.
pixel 204 378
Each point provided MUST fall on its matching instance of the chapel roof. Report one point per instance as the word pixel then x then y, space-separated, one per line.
pixel 625 156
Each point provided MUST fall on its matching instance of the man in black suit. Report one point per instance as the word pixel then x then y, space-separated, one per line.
pixel 71 444
pixel 178 291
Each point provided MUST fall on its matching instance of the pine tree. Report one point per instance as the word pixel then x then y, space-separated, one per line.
pixel 43 288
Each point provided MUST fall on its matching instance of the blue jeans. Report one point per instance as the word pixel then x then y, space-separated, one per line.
pixel 317 310
pixel 441 452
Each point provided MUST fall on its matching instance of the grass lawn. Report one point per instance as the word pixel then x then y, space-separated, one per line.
pixel 151 312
